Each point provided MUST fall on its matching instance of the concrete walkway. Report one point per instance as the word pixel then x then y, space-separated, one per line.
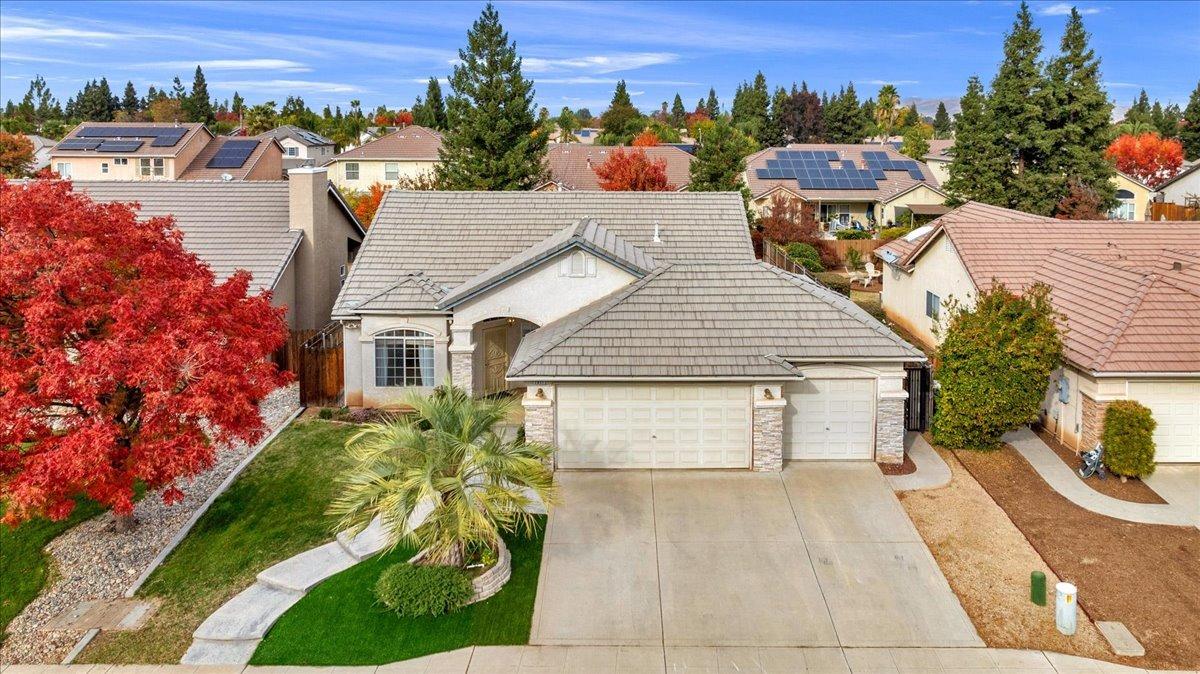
pixel 1179 485
pixel 1065 481
pixel 660 660
pixel 931 473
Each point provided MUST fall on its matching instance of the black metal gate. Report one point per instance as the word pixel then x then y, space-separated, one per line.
pixel 918 407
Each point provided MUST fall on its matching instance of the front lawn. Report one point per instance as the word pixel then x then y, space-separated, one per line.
pixel 340 623
pixel 274 510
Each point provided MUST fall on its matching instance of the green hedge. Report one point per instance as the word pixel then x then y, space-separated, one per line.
pixel 890 233
pixel 805 255
pixel 834 281
pixel 1128 438
pixel 844 234
pixel 412 590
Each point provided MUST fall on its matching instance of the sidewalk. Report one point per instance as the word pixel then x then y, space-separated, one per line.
pixel 659 660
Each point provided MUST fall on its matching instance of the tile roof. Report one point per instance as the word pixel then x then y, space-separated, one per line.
pixel 894 184
pixel 199 170
pixel 940 149
pixel 1115 281
pixel 302 136
pixel 413 287
pixel 709 320
pixel 146 150
pixel 572 165
pixel 586 234
pixel 410 143
pixel 453 236
pixel 228 225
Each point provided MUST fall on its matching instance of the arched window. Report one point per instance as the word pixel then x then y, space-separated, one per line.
pixel 1125 210
pixel 403 358
pixel 577 264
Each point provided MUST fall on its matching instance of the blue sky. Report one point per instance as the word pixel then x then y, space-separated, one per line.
pixel 381 53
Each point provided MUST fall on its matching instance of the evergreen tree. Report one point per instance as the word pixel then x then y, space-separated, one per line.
pixel 435 106
pixel 621 121
pixel 239 104
pixel 130 102
pixel 979 162
pixel 491 142
pixel 846 121
pixel 678 113
pixel 567 125
pixel 916 141
pixel 198 106
pixel 720 159
pixel 750 112
pixel 1019 106
pixel 1079 128
pixel 809 123
pixel 942 126
pixel 95 103
pixel 712 106
pixel 39 104
pixel 1166 119
pixel 177 90
pixel 1189 126
pixel 421 116
pixel 1139 112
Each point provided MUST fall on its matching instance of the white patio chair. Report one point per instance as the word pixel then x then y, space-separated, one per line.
pixel 870 274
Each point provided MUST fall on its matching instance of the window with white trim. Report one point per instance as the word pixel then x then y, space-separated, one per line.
pixel 152 167
pixel 293 151
pixel 403 358
pixel 121 161
pixel 577 265
pixel 63 169
pixel 1125 208
pixel 391 171
pixel 104 167
pixel 933 305
pixel 351 170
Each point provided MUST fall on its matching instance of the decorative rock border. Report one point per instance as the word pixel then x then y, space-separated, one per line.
pixel 488 583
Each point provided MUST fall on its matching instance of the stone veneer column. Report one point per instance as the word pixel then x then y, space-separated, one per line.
pixel 540 415
pixel 767 432
pixel 1092 412
pixel 889 420
pixel 462 358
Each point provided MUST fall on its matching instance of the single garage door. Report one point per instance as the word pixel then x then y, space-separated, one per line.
pixel 829 419
pixel 1176 409
pixel 653 426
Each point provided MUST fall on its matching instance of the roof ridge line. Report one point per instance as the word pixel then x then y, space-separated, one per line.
pixel 1114 335
pixel 598 309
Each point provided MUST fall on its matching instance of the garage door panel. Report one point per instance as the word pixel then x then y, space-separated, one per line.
pixel 830 419
pixel 659 426
pixel 1176 410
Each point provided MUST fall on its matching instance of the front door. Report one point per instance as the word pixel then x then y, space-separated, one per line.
pixel 495 359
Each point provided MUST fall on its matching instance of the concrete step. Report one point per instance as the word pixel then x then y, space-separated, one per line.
pixel 367 543
pixel 301 572
pixel 248 615
pixel 212 652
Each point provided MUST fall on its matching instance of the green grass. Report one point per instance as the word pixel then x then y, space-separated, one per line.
pixel 24 565
pixel 274 510
pixel 340 623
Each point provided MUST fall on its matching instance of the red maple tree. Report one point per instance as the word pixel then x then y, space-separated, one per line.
pixel 122 358
pixel 632 171
pixel 367 203
pixel 791 220
pixel 16 154
pixel 646 138
pixel 1148 157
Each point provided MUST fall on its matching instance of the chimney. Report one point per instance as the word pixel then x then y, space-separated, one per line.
pixel 308 212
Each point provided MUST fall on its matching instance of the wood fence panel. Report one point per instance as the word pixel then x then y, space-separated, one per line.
pixel 317 359
pixel 1170 211
pixel 863 246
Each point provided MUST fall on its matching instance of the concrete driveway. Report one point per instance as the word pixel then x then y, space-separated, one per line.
pixel 820 555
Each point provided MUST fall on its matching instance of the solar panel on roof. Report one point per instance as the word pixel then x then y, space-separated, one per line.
pixel 120 145
pixel 78 144
pixel 164 136
pixel 818 170
pixel 232 154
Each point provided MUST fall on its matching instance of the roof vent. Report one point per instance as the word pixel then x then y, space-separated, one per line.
pixel 226 177
pixel 1176 266
pixel 657 239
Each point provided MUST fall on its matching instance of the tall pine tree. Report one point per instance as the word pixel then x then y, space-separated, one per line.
pixel 197 105
pixel 621 122
pixel 751 108
pixel 942 126
pixel 678 113
pixel 1079 126
pixel 979 163
pixel 1189 126
pixel 435 105
pixel 130 101
pixel 711 105
pixel 491 142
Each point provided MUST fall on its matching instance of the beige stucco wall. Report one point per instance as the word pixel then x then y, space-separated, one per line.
pixel 940 271
pixel 1141 195
pixel 921 195
pixel 284 293
pixel 371 171
pixel 1179 191
pixel 323 250
pixel 358 339
pixel 939 169
pixel 90 168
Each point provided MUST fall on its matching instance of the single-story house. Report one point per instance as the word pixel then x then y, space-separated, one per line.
pixel 163 151
pixel 572 166
pixel 406 153
pixel 1184 188
pixel 301 147
pixel 637 327
pixel 296 237
pixel 866 183
pixel 1129 298
pixel 41 151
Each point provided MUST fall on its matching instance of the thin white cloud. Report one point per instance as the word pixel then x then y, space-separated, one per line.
pixel 897 83
pixel 612 80
pixel 280 65
pixel 1064 9
pixel 25 58
pixel 598 63
pixel 1122 85
pixel 14 29
pixel 289 86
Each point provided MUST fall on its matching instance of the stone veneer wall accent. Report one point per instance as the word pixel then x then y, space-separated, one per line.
pixel 768 435
pixel 462 369
pixel 889 430
pixel 539 421
pixel 491 581
pixel 1093 412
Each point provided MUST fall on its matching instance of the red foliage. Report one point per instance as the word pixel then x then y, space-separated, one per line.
pixel 122 358
pixel 699 115
pixel 1080 203
pixel 402 118
pixel 227 116
pixel 366 205
pixel 16 154
pixel 1147 157
pixel 633 171
pixel 791 220
pixel 646 138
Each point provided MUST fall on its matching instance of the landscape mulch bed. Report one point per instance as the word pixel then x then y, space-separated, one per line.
pixel 1132 489
pixel 906 468
pixel 1146 576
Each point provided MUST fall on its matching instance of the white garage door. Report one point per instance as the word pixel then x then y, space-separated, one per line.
pixel 1176 409
pixel 829 419
pixel 653 426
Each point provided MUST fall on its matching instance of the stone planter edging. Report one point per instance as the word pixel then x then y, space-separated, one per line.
pixel 488 583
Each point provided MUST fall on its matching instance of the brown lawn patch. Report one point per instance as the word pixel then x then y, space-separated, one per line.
pixel 1146 576
pixel 987 561
pixel 905 468
pixel 1132 489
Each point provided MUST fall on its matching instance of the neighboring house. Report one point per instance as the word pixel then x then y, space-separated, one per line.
pixel 866 183
pixel 1130 297
pixel 153 151
pixel 1184 188
pixel 301 147
pixel 41 151
pixel 941 153
pixel 407 153
pixel 296 237
pixel 572 166
pixel 637 326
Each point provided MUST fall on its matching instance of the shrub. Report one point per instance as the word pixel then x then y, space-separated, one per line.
pixel 894 233
pixel 993 366
pixel 835 282
pixel 412 590
pixel 854 260
pixel 806 255
pixel 844 234
pixel 325 413
pixel 1128 438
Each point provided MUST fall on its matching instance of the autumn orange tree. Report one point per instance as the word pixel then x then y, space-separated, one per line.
pixel 633 171
pixel 16 154
pixel 1148 157
pixel 123 360
pixel 365 204
pixel 646 138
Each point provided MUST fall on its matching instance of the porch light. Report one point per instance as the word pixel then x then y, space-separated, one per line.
pixel 540 394
pixel 767 395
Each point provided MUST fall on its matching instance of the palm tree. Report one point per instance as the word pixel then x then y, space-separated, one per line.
pixel 887 111
pixel 447 454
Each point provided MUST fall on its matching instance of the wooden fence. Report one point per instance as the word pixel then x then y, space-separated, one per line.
pixel 1170 211
pixel 316 358
pixel 863 246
